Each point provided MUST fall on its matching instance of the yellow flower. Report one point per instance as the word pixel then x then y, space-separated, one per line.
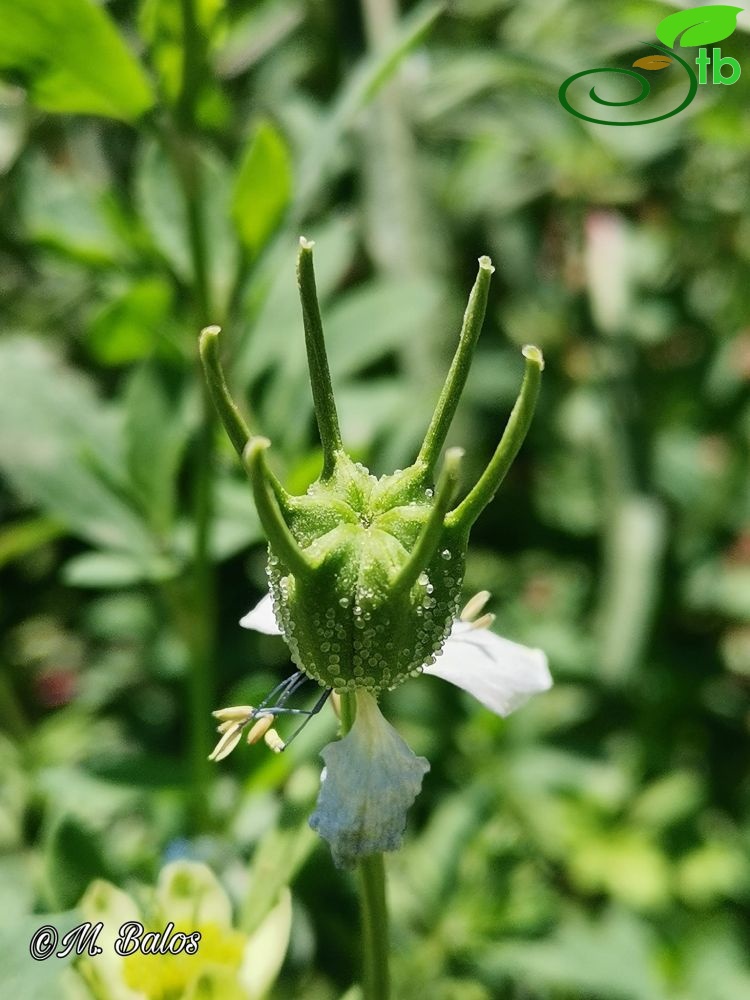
pixel 180 945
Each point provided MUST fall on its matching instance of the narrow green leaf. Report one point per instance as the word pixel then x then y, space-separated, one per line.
pixel 162 208
pixel 263 187
pixel 72 59
pixel 698 26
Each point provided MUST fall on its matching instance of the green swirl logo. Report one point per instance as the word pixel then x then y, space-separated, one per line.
pixel 645 90
pixel 699 26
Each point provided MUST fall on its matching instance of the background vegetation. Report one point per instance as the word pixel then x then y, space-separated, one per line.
pixel 158 161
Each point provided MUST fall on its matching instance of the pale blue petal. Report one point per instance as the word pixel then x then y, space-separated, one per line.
pixel 370 780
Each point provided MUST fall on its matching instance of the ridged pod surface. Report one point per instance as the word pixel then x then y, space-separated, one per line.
pixel 344 624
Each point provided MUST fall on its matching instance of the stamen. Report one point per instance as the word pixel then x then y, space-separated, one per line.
pixel 274 741
pixel 236 718
pixel 474 606
pixel 336 703
pixel 308 713
pixel 259 729
pixel 484 622
pixel 283 690
pixel 227 743
pixel 234 713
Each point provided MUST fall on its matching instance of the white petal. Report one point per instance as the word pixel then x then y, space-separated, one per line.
pixel 261 617
pixel 503 675
pixel 370 780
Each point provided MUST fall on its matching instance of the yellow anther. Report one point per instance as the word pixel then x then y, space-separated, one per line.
pixel 474 606
pixel 274 741
pixel 235 713
pixel 484 622
pixel 259 729
pixel 227 743
pixel 336 703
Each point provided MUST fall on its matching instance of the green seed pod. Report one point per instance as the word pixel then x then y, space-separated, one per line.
pixel 366 613
pixel 364 572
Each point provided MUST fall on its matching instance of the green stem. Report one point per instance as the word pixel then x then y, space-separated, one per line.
pixel 373 904
pixel 203 625
pixel 179 142
pixel 374 909
pixel 193 60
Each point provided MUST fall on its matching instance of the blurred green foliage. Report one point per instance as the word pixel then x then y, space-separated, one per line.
pixel 155 174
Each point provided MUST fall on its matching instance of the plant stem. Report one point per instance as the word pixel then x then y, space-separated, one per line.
pixel 373 905
pixel 204 620
pixel 374 909
pixel 202 626
pixel 193 63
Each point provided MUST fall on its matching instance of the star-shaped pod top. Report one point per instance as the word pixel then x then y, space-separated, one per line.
pixel 365 572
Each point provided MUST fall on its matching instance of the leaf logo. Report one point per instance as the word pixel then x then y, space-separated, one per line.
pixel 698 26
pixel 653 62
pixel 660 60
